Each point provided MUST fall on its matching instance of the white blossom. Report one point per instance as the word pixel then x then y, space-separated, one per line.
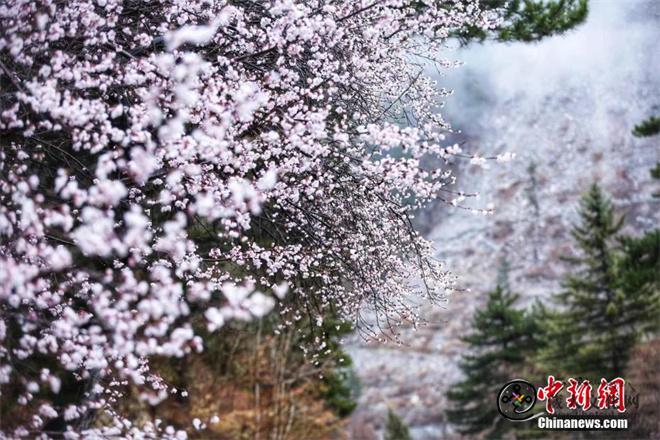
pixel 201 158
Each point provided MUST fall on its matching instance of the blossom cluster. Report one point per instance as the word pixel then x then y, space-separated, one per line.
pixel 167 167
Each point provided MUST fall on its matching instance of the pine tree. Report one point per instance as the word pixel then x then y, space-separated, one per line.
pixel 603 311
pixel 648 127
pixel 531 20
pixel 655 175
pixel 396 429
pixel 500 342
pixel 638 278
pixel 340 385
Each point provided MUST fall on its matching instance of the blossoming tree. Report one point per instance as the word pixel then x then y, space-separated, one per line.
pixel 169 166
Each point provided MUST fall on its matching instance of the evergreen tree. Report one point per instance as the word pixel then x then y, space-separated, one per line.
pixel 396 429
pixel 655 171
pixel 531 20
pixel 638 278
pixel 603 310
pixel 340 385
pixel 499 344
pixel 655 175
pixel 648 127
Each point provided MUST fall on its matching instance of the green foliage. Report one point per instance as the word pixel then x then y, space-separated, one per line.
pixel 501 340
pixel 340 387
pixel 655 175
pixel 607 301
pixel 396 429
pixel 648 127
pixel 532 20
pixel 638 278
pixel 655 172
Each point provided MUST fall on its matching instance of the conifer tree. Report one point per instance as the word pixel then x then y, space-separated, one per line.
pixel 648 127
pixel 606 303
pixel 638 269
pixel 396 429
pixel 655 175
pixel 531 20
pixel 499 345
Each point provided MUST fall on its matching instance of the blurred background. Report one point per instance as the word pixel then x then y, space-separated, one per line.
pixel 566 106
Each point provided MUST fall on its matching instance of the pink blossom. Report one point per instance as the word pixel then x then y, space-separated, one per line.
pixel 198 158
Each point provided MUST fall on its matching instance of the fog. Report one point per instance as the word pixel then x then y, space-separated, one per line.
pixel 613 57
